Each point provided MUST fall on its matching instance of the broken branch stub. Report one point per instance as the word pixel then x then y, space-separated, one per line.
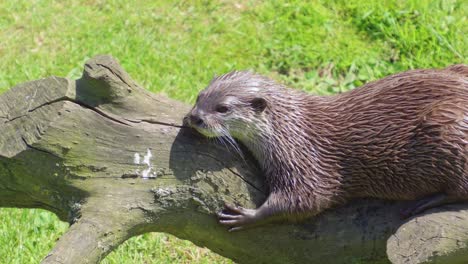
pixel 113 160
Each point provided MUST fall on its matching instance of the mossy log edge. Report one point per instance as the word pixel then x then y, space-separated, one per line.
pixel 113 160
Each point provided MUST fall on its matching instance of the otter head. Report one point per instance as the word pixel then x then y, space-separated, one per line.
pixel 232 106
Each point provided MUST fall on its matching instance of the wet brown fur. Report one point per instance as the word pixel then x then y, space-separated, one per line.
pixel 403 137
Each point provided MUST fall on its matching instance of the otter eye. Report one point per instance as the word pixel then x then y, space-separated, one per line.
pixel 222 109
pixel 258 104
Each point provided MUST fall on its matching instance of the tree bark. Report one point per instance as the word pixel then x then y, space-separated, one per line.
pixel 113 160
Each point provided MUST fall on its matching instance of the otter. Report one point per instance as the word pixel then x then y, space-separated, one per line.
pixel 404 137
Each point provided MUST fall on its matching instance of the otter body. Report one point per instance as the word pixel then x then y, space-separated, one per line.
pixel 404 137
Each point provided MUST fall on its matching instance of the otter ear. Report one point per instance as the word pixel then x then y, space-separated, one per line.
pixel 258 104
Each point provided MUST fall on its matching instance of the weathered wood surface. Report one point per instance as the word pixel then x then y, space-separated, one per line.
pixel 112 159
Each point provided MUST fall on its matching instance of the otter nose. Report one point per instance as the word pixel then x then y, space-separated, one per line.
pixel 196 120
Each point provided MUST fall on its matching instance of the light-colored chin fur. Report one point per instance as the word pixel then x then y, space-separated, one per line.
pixel 207 132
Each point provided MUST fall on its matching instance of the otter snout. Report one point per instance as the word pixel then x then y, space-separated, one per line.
pixel 195 120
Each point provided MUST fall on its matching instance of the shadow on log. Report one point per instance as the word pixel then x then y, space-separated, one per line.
pixel 113 160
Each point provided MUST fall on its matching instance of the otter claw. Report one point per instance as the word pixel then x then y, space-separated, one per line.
pixel 234 229
pixel 236 218
pixel 228 222
pixel 233 208
pixel 222 215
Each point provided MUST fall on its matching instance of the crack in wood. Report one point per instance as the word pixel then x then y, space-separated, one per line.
pixel 39 149
pixel 123 121
pixel 82 104
pixel 129 176
pixel 233 172
pixel 152 121
pixel 35 108
pixel 100 112
pixel 114 73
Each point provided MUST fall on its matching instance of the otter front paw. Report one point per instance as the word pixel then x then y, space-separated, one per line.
pixel 237 218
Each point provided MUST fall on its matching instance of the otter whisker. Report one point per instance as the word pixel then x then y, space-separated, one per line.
pixel 226 140
pixel 230 140
pixel 217 139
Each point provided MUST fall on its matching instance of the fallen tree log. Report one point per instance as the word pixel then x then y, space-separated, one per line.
pixel 113 160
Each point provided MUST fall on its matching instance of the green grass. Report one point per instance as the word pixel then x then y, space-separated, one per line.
pixel 27 235
pixel 175 48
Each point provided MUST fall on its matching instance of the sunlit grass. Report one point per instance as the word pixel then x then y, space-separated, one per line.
pixel 175 47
